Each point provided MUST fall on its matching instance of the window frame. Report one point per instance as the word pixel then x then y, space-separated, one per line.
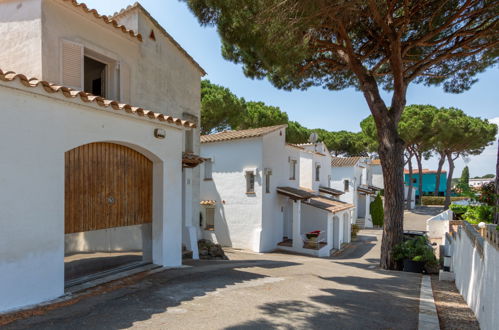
pixel 292 169
pixel 250 182
pixel 317 172
pixel 209 210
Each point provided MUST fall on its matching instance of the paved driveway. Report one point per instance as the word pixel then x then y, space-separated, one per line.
pixel 416 219
pixel 255 291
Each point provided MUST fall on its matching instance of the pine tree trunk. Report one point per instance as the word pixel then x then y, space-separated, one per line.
pixel 441 163
pixel 419 157
pixel 391 152
pixel 449 181
pixel 411 185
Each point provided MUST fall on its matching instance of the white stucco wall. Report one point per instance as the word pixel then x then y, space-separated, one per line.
pixel 21 37
pixel 377 176
pixel 238 220
pixel 35 132
pixel 275 157
pixel 313 219
pixel 476 278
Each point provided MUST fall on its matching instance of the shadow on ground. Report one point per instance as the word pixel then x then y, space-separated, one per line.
pixel 152 295
pixel 384 303
pixel 427 210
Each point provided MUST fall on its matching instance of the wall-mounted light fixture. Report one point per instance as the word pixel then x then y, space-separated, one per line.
pixel 159 133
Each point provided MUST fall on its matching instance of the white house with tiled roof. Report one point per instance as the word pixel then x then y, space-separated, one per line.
pixel 260 193
pixel 99 138
pixel 354 176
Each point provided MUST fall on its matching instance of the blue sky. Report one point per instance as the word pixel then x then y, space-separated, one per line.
pixel 314 108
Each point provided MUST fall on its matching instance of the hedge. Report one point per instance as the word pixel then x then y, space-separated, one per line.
pixel 438 200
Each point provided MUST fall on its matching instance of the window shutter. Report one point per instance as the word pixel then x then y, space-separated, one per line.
pixel 72 65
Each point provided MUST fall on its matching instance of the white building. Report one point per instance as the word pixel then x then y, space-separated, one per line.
pixel 354 176
pixel 260 194
pixel 478 183
pixel 86 175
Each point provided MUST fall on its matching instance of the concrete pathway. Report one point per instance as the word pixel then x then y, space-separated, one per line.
pixel 255 291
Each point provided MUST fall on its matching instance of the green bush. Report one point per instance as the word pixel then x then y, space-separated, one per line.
pixel 439 200
pixel 476 214
pixel 377 212
pixel 415 249
pixel 459 210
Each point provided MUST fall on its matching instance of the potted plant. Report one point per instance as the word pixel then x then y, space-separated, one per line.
pixel 414 253
pixel 312 236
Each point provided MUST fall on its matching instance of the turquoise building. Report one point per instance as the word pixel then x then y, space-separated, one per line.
pixel 429 181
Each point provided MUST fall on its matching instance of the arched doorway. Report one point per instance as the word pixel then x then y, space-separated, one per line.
pixel 108 209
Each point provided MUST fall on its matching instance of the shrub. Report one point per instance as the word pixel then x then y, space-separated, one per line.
pixel 459 210
pixel 415 249
pixel 355 230
pixel 478 213
pixel 377 212
pixel 438 200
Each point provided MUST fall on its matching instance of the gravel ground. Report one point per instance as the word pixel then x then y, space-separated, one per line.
pixel 453 312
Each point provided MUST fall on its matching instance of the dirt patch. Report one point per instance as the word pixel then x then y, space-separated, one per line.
pixel 453 312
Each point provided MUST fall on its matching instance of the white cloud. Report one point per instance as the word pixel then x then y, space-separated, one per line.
pixel 479 165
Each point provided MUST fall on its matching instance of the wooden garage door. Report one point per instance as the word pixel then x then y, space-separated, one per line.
pixel 106 185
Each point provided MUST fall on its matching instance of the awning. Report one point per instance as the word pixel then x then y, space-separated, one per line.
pixel 328 204
pixel 331 191
pixel 295 193
pixel 208 202
pixel 365 190
pixel 374 188
pixel 190 160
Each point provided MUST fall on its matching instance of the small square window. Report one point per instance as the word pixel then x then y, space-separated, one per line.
pixel 250 182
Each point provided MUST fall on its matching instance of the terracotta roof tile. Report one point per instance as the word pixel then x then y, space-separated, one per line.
pixel 190 160
pixel 69 93
pixel 295 193
pixel 208 202
pixel 345 161
pixel 331 191
pixel 162 29
pixel 105 19
pixel 376 162
pixel 242 134
pixel 328 204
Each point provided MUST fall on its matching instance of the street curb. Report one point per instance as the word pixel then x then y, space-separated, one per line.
pixel 428 317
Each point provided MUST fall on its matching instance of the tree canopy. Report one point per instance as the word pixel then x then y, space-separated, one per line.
pixel 367 44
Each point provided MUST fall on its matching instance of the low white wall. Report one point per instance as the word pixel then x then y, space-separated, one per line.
pixel 476 275
pixel 438 225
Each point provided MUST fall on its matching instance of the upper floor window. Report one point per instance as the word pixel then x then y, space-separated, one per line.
pixel 292 169
pixel 250 182
pixel 317 172
pixel 94 77
pixel 346 185
pixel 87 70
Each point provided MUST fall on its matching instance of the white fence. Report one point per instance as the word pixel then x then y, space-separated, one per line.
pixel 438 226
pixel 475 263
